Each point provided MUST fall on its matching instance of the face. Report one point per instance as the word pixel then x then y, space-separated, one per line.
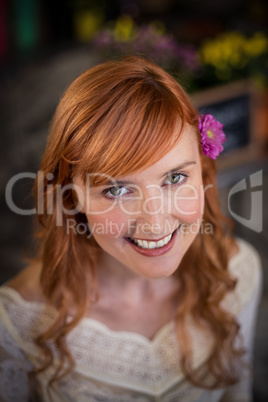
pixel 147 220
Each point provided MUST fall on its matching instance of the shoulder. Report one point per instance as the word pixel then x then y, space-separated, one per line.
pixel 245 267
pixel 21 301
pixel 27 283
pixel 245 264
pixel 14 361
pixel 22 318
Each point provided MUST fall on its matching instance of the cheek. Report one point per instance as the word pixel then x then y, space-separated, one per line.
pixel 188 204
pixel 108 224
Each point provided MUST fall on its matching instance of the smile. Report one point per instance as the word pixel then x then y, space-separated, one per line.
pixel 149 248
pixel 145 244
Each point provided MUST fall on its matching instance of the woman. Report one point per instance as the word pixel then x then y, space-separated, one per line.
pixel 139 291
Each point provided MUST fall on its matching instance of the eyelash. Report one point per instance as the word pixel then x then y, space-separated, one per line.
pixel 185 175
pixel 105 192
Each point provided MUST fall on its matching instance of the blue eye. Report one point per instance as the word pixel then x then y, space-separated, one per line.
pixel 115 191
pixel 175 178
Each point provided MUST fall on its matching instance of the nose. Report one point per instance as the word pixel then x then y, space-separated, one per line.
pixel 152 211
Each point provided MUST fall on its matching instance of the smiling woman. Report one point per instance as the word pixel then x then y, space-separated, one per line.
pixel 139 292
pixel 150 206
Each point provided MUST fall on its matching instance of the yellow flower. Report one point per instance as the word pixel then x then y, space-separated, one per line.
pixel 256 45
pixel 124 29
pixel 232 50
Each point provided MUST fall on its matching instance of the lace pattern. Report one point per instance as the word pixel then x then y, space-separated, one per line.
pixel 117 365
pixel 13 368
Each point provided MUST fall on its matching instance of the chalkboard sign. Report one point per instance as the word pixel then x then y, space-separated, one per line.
pixel 234 114
pixel 232 106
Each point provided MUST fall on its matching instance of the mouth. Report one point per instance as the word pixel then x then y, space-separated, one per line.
pixel 148 244
pixel 151 248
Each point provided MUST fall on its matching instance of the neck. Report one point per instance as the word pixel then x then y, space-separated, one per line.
pixel 117 279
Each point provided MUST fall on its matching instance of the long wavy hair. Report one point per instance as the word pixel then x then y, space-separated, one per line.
pixel 115 118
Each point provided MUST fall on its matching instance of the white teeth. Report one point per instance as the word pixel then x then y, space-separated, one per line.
pixel 160 243
pixel 152 244
pixel 167 239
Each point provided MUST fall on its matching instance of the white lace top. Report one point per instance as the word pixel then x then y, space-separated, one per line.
pixel 121 366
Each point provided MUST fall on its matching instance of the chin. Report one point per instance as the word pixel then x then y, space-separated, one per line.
pixel 157 270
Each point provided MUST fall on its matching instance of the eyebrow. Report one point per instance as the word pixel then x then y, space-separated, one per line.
pixel 179 167
pixel 124 182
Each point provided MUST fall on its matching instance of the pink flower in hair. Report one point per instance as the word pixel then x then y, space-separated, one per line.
pixel 212 135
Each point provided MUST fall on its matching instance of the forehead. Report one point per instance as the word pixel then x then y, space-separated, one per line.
pixel 184 150
pixel 154 161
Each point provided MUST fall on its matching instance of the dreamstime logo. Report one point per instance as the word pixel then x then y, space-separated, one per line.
pixel 256 209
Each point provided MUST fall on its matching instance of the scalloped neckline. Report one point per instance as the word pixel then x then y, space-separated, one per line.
pixel 104 327
pixel 89 320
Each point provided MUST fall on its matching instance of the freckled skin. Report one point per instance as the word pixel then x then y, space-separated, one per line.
pixel 161 209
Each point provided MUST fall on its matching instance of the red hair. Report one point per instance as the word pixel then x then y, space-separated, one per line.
pixel 116 118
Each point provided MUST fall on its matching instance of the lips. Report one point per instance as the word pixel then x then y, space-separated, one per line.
pixel 148 244
pixel 153 248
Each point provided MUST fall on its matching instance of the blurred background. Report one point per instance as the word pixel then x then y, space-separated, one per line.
pixel 218 50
